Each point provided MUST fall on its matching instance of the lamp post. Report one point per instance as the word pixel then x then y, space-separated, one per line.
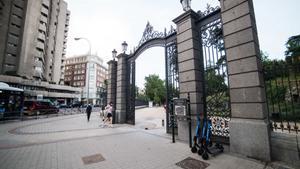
pixel 88 69
pixel 124 46
pixel 90 46
pixel 114 54
pixel 186 4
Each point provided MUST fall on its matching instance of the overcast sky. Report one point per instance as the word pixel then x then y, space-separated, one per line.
pixel 107 23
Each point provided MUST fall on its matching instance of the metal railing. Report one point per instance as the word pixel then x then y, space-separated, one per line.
pixel 282 82
pixel 18 115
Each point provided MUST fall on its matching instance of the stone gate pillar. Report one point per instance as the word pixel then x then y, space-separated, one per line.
pixel 190 66
pixel 121 88
pixel 112 84
pixel 249 130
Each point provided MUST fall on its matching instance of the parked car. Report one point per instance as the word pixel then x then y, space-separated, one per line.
pixel 36 107
pixel 76 104
pixel 63 106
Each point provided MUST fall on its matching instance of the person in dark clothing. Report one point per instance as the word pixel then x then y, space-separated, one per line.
pixel 88 112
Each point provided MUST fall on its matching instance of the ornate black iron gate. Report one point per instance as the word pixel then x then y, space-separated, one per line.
pixel 216 92
pixel 172 82
pixel 150 39
pixel 130 108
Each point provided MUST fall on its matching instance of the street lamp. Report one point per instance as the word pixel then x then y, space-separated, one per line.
pixel 186 4
pixel 124 46
pixel 90 46
pixel 87 69
pixel 114 54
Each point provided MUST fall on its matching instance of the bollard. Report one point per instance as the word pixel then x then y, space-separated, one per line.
pixel 37 114
pixel 162 122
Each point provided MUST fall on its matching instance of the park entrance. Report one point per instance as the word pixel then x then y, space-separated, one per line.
pixel 204 76
pixel 210 56
pixel 151 38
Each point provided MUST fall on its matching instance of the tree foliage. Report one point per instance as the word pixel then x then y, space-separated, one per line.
pixel 293 49
pixel 276 94
pixel 155 88
pixel 140 96
pixel 275 75
pixel 272 68
pixel 215 83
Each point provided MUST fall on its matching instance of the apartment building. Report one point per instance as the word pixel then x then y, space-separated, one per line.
pixel 12 18
pixel 88 73
pixel 33 37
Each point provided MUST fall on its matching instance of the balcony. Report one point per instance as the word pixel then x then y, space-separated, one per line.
pixel 44 19
pixel 42 27
pixel 19 3
pixel 15 20
pixel 41 36
pixel 46 2
pixel 40 45
pixel 45 11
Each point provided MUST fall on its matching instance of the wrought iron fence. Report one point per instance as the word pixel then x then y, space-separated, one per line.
pixel 25 115
pixel 282 81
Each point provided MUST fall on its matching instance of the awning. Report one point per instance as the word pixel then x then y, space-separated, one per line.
pixel 4 86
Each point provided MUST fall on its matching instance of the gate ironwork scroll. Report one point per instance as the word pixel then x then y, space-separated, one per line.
pixel 150 39
pixel 217 102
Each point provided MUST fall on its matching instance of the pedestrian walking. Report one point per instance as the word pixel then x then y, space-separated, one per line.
pixel 88 112
pixel 108 112
pixel 102 112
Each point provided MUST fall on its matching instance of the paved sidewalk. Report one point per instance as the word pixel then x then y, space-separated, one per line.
pixel 63 143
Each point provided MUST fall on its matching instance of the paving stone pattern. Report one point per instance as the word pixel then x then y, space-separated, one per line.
pixel 62 142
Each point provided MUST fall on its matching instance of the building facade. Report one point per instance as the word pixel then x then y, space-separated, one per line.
pixel 33 36
pixel 88 73
pixel 12 17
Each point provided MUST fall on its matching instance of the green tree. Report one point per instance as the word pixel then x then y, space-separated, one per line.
pixel 137 91
pixel 140 96
pixel 272 68
pixel 293 49
pixel 155 88
pixel 276 94
pixel 215 83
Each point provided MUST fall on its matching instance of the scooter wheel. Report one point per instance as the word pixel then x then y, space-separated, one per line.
pixel 200 151
pixel 205 156
pixel 219 146
pixel 194 149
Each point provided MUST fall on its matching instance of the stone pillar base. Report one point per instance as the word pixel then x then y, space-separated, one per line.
pixel 120 116
pixel 183 130
pixel 250 138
